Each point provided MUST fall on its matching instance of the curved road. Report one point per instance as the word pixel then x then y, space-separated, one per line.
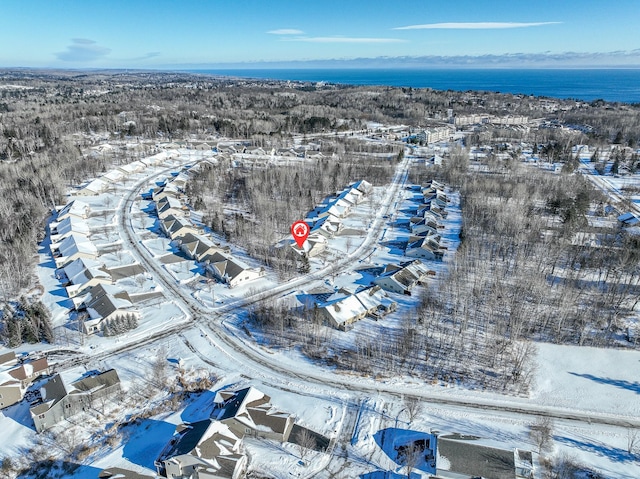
pixel 261 365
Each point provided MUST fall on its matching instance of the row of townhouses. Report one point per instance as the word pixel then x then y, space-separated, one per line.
pixel 174 217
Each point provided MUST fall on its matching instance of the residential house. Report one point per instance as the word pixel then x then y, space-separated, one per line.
pixel 248 412
pixel 82 274
pixel 327 226
pixel 93 188
pixel 422 225
pixel 403 278
pixel 59 230
pixel 463 457
pixel 341 312
pixel 232 271
pixel 104 303
pixel 206 449
pixel 200 248
pixel 176 226
pixel 132 168
pixel 377 303
pixel 425 247
pixel 347 306
pixel 15 378
pixel 363 186
pixel 76 208
pixel 71 248
pixel 60 401
pixel 113 176
pixel 170 206
pixel 313 246
pixel 169 189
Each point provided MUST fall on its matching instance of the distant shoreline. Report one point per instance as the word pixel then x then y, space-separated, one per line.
pixel 587 84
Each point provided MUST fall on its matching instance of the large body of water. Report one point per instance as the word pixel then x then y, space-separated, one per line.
pixel 608 84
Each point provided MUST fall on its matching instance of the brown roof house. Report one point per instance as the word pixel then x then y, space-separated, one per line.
pixel 206 449
pixel 248 412
pixel 15 378
pixel 60 401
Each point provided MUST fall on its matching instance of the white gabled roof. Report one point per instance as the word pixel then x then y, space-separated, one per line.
pixel 76 243
pixel 75 208
pixel 70 224
pixel 113 176
pixel 345 309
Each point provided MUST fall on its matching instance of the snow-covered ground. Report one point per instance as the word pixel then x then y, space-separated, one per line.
pixel 584 381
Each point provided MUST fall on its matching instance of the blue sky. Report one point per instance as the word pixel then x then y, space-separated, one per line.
pixel 200 33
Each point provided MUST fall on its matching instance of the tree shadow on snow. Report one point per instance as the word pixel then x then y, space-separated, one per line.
pixel 387 475
pixel 614 453
pixel 619 383
pixel 200 406
pixel 145 439
pixel 395 442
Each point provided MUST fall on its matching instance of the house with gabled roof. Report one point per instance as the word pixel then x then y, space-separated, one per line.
pixel 132 168
pixel 327 226
pixel 168 189
pixel 104 303
pixel 423 225
pixel 114 176
pixel 425 247
pixel 59 230
pixel 363 186
pixel 71 248
pixel 177 226
pixel 349 305
pixel 403 278
pixel 341 312
pixel 93 188
pixel 82 274
pixel 15 378
pixel 199 247
pixel 313 246
pixel 76 208
pixel 206 449
pixel 248 412
pixel 169 205
pixel 60 401
pixel 231 271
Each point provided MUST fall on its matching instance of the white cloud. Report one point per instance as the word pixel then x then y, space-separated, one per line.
pixel 346 40
pixel 83 50
pixel 286 31
pixel 474 25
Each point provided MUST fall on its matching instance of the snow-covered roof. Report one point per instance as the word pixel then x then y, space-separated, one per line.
pixel 75 208
pixel 75 243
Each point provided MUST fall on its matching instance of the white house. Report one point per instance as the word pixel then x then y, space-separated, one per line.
pixel 103 303
pixel 76 208
pixel 232 271
pixel 73 247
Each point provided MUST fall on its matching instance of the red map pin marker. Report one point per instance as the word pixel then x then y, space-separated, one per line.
pixel 300 232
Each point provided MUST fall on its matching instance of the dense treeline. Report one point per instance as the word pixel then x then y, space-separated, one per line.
pixel 26 322
pixel 254 208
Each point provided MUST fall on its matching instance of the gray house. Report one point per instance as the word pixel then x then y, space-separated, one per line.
pixel 60 401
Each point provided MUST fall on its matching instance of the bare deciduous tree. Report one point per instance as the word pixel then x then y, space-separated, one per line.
pixel 305 443
pixel 413 406
pixel 541 433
